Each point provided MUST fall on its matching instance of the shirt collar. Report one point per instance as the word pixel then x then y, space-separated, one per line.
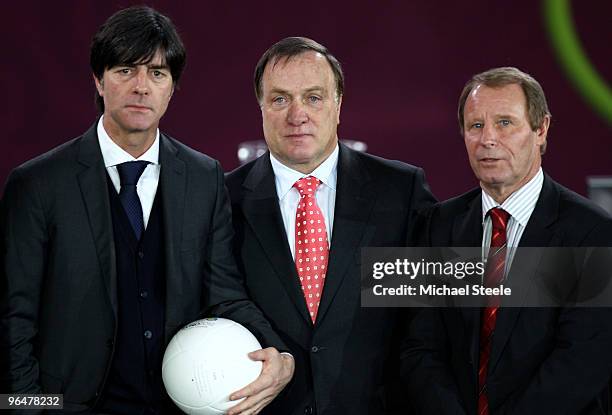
pixel 285 176
pixel 114 155
pixel 521 203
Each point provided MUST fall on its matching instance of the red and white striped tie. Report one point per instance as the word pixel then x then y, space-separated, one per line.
pixel 494 275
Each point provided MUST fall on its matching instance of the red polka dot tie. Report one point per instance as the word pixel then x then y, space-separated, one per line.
pixel 311 246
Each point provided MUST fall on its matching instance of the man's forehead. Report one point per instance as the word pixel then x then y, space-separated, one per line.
pixel 307 54
pixel 309 58
pixel 497 96
pixel 309 69
pixel 497 91
pixel 157 59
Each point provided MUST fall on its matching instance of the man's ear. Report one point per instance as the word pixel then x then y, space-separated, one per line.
pixel 339 107
pixel 542 131
pixel 99 84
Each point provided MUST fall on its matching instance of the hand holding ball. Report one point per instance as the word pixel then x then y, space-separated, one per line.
pixel 205 362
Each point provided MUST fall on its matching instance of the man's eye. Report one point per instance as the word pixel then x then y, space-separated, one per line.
pixel 279 100
pixel 125 71
pixel 314 99
pixel 477 125
pixel 504 123
pixel 157 73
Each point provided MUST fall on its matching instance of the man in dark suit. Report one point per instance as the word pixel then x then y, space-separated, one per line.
pixel 510 360
pixel 116 239
pixel 301 213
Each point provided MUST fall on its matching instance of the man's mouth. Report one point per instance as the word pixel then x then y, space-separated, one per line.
pixel 138 107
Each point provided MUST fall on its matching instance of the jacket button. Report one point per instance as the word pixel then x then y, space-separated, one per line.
pixel 308 410
pixel 148 334
pixel 140 254
pixel 144 294
pixel 314 349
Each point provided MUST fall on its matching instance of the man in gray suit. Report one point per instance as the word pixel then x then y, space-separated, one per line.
pixel 302 212
pixel 114 240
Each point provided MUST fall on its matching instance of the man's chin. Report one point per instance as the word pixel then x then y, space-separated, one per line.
pixel 138 127
pixel 139 121
pixel 300 155
pixel 492 180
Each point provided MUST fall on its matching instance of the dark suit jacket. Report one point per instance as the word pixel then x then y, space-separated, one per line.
pixel 340 361
pixel 543 360
pixel 59 299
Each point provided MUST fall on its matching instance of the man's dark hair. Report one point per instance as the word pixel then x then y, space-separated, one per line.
pixel 289 48
pixel 133 36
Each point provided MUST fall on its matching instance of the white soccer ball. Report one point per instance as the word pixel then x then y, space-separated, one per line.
pixel 205 362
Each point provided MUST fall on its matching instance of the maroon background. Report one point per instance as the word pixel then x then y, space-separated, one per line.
pixel 405 65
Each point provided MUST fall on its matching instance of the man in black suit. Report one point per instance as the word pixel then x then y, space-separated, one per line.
pixel 116 239
pixel 301 213
pixel 510 360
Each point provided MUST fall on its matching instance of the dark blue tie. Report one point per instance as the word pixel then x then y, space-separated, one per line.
pixel 129 173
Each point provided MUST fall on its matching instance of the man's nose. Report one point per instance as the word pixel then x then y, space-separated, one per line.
pixel 141 82
pixel 297 114
pixel 489 136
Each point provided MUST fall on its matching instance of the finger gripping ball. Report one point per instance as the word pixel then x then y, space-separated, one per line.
pixel 205 362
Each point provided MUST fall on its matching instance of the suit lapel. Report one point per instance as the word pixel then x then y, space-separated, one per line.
pixel 172 184
pixel 538 233
pixel 355 197
pixel 93 186
pixel 172 181
pixel 261 211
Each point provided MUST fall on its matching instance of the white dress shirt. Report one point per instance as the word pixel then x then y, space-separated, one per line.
pixel 288 196
pixel 520 206
pixel 147 184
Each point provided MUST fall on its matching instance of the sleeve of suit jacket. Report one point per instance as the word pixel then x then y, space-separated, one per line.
pixel 575 371
pixel 421 201
pixel 23 247
pixel 431 388
pixel 578 367
pixel 225 289
pixel 425 350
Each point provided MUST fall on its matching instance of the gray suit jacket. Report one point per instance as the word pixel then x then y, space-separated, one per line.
pixel 346 362
pixel 58 306
pixel 553 360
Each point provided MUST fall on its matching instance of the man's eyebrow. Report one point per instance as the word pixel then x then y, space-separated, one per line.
pixel 500 115
pixel 316 88
pixel 505 115
pixel 158 66
pixel 277 90
pixel 148 65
